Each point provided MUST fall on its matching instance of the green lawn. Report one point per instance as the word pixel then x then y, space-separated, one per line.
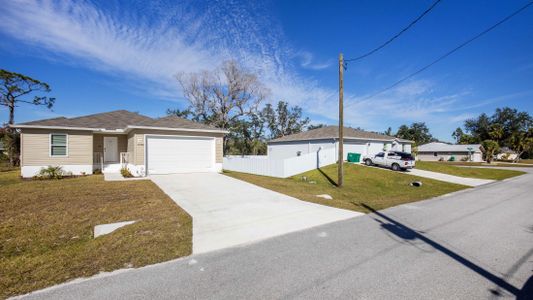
pixel 373 187
pixel 521 164
pixel 457 169
pixel 526 161
pixel 46 229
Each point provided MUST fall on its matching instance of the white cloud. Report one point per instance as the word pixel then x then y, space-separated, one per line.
pixel 307 61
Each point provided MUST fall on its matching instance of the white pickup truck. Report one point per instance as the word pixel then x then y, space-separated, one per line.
pixel 395 160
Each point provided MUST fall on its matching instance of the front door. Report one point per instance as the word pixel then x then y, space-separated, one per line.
pixel 110 149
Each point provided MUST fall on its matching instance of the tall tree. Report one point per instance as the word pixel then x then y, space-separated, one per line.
pixel 316 126
pixel 418 132
pixel 500 127
pixel 283 120
pixel 496 132
pixel 491 148
pixel 457 135
pixel 522 142
pixel 479 127
pixel 15 89
pixel 182 113
pixel 388 131
pixel 223 97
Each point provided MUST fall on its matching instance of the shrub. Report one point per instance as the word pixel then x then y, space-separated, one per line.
pixel 51 172
pixel 97 172
pixel 125 173
pixel 464 158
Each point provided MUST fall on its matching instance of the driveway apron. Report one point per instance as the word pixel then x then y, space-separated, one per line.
pixel 228 212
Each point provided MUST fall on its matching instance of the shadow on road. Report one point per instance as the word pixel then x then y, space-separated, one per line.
pixel 407 233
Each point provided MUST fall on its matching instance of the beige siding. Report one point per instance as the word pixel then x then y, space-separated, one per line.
pixel 36 148
pixel 98 142
pixel 138 141
pixel 131 147
pixel 425 156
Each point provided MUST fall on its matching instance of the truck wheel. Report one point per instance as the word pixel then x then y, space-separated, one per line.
pixel 395 167
pixel 368 162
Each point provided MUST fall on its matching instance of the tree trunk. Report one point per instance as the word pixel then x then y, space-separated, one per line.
pixel 517 159
pixel 11 143
pixel 11 113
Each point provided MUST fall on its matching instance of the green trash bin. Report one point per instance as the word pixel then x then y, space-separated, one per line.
pixel 354 157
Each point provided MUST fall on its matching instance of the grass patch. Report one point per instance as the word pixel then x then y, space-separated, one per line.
pixel 484 164
pixel 526 161
pixel 457 170
pixel 46 229
pixel 374 187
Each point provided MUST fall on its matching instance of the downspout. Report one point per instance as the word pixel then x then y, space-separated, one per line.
pixel 336 150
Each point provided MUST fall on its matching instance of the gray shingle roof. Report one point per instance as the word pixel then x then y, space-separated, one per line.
pixel 119 119
pixel 332 132
pixel 443 147
pixel 175 122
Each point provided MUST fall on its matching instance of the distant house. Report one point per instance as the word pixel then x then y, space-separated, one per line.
pixel 357 141
pixel 442 151
pixel 506 154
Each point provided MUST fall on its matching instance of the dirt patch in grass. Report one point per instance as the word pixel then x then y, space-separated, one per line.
pixel 46 229
pixel 374 187
pixel 458 169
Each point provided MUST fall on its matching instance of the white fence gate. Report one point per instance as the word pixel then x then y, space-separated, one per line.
pixel 283 168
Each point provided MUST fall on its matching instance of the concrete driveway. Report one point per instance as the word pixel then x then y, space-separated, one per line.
pixel 228 212
pixel 448 178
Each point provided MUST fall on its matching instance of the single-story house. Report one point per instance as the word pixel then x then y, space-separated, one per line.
pixel 506 154
pixel 356 141
pixel 441 151
pixel 111 140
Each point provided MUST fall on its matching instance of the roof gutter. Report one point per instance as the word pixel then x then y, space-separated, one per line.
pixel 131 127
pixel 346 138
pixel 55 127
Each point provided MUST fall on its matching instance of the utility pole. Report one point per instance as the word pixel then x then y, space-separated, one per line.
pixel 340 179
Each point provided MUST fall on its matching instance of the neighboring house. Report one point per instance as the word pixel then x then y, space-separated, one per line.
pixel 111 140
pixel 356 141
pixel 506 154
pixel 442 151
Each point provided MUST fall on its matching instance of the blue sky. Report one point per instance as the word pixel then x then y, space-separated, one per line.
pixel 101 56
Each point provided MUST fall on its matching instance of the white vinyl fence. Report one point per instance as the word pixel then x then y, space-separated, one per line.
pixel 283 168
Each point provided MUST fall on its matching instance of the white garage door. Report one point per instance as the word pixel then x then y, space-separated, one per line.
pixel 170 154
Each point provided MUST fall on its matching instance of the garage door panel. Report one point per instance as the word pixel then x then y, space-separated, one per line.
pixel 167 155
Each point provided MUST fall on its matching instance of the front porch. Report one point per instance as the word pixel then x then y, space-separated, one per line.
pixel 100 164
pixel 110 152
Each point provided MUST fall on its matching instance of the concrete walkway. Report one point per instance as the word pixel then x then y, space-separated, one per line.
pixel 227 212
pixel 448 178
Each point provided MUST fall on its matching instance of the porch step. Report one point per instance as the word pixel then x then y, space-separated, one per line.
pixel 111 168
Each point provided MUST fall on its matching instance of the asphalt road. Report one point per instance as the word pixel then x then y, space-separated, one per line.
pixel 474 244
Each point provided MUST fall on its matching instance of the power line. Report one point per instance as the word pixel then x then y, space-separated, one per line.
pixel 395 36
pixel 450 52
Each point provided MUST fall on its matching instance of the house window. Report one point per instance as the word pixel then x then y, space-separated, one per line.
pixel 58 144
pixel 435 154
pixel 298 153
